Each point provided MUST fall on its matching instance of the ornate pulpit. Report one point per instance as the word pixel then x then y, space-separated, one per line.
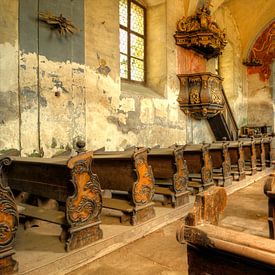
pixel 201 95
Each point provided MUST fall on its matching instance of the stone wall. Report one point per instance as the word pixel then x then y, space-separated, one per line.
pixel 47 104
pixel 260 102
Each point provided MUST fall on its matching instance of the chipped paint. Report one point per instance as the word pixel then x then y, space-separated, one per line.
pixel 54 103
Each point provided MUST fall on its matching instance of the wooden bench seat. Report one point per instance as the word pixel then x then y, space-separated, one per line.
pixel 268 155
pixel 249 151
pixel 199 164
pixel 215 250
pixel 236 154
pixel 221 163
pixel 70 182
pixel 260 154
pixel 168 164
pixel 47 215
pixel 127 171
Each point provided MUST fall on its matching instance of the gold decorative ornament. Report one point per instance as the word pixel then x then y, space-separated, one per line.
pixel 200 33
pixel 61 24
pixel 194 96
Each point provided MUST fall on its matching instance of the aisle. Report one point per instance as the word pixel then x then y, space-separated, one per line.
pixel 160 253
pixel 157 253
pixel 246 210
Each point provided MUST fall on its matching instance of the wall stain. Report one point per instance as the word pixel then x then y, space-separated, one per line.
pixel 8 106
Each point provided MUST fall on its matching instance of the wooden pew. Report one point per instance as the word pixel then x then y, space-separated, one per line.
pixel 70 182
pixel 267 146
pixel 9 220
pixel 171 174
pixel 199 164
pixel 127 171
pixel 221 163
pixel 249 156
pixel 260 154
pixel 235 150
pixel 269 190
pixel 215 250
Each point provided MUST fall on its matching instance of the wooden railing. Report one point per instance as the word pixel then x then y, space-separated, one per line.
pixel 229 118
pixel 223 124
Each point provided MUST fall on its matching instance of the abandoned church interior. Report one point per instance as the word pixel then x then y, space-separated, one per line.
pixel 137 137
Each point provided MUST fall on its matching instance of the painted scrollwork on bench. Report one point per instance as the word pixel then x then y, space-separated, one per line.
pixel 84 207
pixel 241 159
pixel 226 162
pixel 207 169
pixel 8 224
pixel 143 189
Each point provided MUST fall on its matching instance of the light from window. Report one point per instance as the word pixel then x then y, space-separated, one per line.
pixel 132 44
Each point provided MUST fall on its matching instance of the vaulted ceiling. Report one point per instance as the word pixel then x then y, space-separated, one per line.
pixel 251 17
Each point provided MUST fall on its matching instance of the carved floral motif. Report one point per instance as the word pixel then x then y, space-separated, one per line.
pixel 226 162
pixel 86 203
pixel 143 189
pixel 8 213
pixel 181 177
pixel 194 96
pixel 206 171
pixel 200 33
pixel 201 95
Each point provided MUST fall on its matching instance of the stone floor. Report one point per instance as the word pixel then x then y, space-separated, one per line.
pixel 160 253
pixel 246 210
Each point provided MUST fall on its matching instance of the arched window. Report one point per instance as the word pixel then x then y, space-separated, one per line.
pixel 132 40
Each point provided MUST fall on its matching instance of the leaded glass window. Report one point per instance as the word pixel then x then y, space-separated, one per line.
pixel 132 40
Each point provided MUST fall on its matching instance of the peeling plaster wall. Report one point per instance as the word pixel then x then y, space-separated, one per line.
pixel 231 67
pixel 9 103
pixel 61 101
pixel 260 103
pixel 117 119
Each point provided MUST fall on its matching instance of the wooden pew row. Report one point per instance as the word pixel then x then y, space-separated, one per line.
pixel 249 156
pixel 268 149
pixel 221 163
pixel 215 250
pixel 260 154
pixel 127 171
pixel 171 174
pixel 269 190
pixel 199 165
pixel 236 154
pixel 71 183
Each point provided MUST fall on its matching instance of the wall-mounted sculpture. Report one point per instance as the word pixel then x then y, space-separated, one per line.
pixel 200 33
pixel 201 95
pixel 60 23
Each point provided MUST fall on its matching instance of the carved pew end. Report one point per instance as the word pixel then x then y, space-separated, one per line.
pixel 7 264
pixel 9 221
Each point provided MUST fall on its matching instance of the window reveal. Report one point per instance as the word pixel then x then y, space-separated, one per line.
pixel 132 40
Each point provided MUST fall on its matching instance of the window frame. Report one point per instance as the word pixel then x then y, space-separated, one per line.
pixel 129 31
